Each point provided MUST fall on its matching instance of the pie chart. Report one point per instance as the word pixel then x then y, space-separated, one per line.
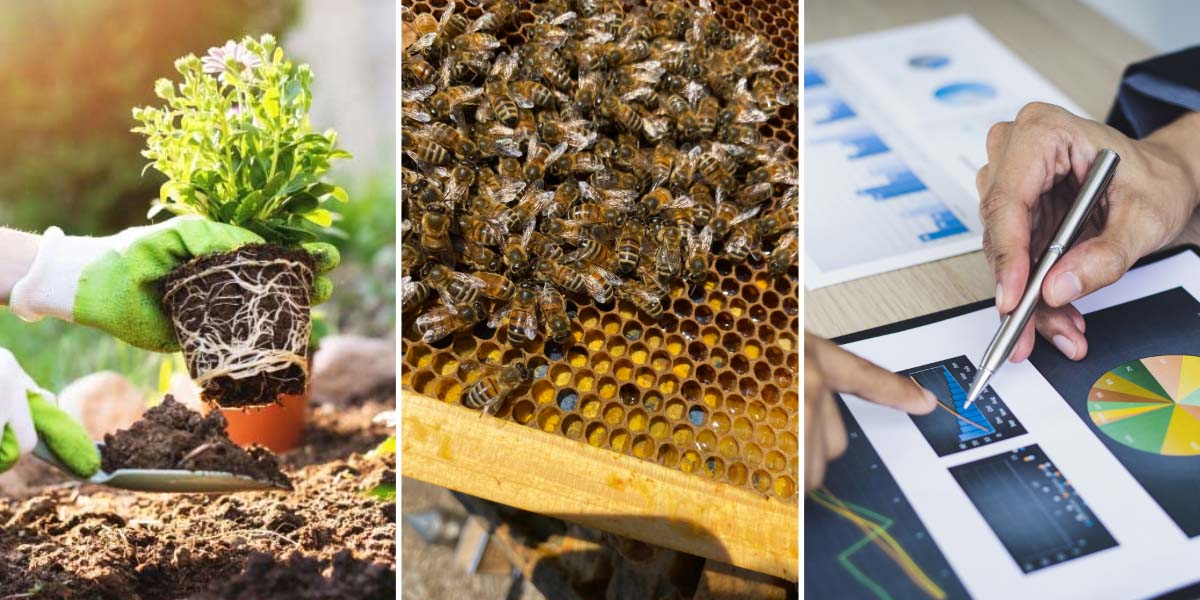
pixel 1151 404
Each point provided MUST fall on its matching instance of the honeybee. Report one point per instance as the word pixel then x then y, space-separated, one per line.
pixel 543 247
pixel 599 282
pixel 481 257
pixel 727 216
pixel 481 231
pixel 625 115
pixel 433 34
pixel 703 204
pixel 489 393
pixel 474 42
pixel 776 171
pixel 532 203
pixel 576 163
pixel 454 287
pixel 554 314
pixel 495 286
pixel 593 251
pixel 423 149
pixel 685 168
pixel 587 94
pixel 520 317
pixel 412 255
pixel 713 169
pixel 662 162
pixel 659 200
pixel 767 95
pixel 562 276
pixel 742 241
pixel 698 258
pixel 623 53
pixel 412 294
pixel 451 139
pixel 669 257
pixel 495 140
pixel 495 189
pixel 564 197
pixel 447 100
pixel 435 229
pixel 417 71
pixel 707 111
pixel 441 321
pixel 538 156
pixel 531 93
pixel 785 254
pixel 642 297
pixel 564 230
pixel 629 247
pixel 784 217
pixel 753 195
pixel 570 132
pixel 499 15
pixel 412 104
pixel 516 256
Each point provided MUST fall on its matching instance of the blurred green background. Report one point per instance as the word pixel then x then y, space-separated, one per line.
pixel 71 70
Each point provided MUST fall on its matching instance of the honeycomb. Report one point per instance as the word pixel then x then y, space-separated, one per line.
pixel 710 388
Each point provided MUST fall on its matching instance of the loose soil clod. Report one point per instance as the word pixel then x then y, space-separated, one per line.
pixel 172 436
pixel 243 320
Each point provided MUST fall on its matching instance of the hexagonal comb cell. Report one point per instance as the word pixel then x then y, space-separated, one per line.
pixel 709 388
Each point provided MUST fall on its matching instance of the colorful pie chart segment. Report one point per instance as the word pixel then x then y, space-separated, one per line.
pixel 1151 404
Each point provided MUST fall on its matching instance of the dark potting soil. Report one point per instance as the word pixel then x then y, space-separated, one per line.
pixel 333 540
pixel 210 303
pixel 172 436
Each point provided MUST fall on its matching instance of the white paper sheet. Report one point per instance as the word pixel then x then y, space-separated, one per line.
pixel 895 130
pixel 1153 555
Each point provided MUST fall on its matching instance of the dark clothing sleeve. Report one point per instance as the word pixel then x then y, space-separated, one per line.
pixel 1157 91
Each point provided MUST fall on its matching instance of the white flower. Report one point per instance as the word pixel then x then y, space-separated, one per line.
pixel 218 59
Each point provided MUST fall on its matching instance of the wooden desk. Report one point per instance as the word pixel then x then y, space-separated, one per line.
pixel 1079 51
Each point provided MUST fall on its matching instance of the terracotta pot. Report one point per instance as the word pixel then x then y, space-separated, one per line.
pixel 279 427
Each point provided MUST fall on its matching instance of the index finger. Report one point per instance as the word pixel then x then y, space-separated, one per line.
pixel 847 372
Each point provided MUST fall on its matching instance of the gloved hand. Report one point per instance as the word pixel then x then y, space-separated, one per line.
pixel 114 283
pixel 27 411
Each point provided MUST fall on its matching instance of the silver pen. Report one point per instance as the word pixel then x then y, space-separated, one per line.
pixel 1010 329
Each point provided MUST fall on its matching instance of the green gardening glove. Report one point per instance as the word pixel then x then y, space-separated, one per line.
pixel 27 412
pixel 114 283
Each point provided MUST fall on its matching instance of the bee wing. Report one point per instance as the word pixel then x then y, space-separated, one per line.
pixel 682 201
pixel 485 21
pixel 446 15
pixel 791 197
pixel 419 93
pixel 504 66
pixel 416 114
pixel 407 289
pixel 544 203
pixel 704 239
pixel 556 153
pixel 528 232
pixel 645 294
pixel 636 94
pixel 446 71
pixel 746 214
pixel 751 115
pixel 786 239
pixel 693 92
pixel 468 279
pixel 609 276
pixel 655 127
pixel 520 99
pixel 499 316
pixel 578 140
pixel 564 18
pixel 422 43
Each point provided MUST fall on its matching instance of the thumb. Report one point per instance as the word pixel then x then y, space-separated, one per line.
pixel 1088 267
pixel 846 372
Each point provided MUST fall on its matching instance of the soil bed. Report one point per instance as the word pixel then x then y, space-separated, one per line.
pixel 327 538
pixel 243 319
pixel 172 436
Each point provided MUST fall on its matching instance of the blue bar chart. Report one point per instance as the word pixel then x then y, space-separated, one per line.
pixel 954 426
pixel 869 193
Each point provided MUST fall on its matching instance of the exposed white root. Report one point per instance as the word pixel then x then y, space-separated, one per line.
pixel 266 295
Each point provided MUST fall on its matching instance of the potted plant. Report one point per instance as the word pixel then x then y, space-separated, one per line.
pixel 235 143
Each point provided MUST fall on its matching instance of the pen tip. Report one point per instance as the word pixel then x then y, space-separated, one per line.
pixel 976 389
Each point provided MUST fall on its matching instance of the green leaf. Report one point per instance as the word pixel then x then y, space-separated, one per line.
pixel 385 492
pixel 249 207
pixel 301 203
pixel 320 216
pixel 385 448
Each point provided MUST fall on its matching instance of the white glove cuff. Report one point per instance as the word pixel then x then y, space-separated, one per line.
pixel 49 288
pixel 15 386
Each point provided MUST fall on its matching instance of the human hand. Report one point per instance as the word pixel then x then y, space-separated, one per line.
pixel 1148 202
pixel 114 283
pixel 829 369
pixel 27 411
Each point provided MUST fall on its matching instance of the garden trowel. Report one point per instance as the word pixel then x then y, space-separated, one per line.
pixel 164 480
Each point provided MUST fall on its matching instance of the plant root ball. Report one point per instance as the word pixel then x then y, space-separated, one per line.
pixel 243 319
